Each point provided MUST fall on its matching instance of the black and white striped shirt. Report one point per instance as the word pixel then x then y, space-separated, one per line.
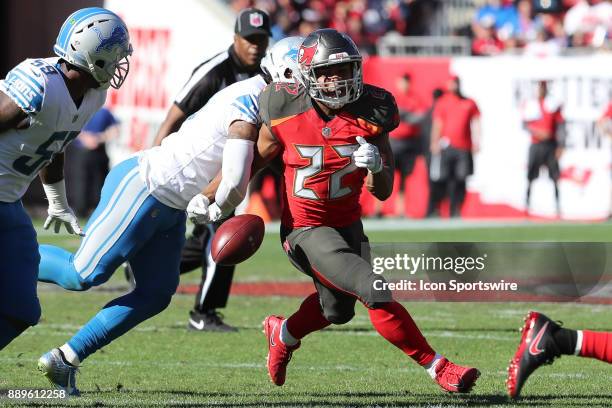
pixel 210 77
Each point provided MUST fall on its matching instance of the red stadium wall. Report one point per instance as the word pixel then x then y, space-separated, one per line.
pixel 427 74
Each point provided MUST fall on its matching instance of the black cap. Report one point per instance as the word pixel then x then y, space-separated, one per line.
pixel 252 21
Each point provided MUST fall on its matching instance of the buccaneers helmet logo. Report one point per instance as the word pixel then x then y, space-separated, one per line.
pixel 307 53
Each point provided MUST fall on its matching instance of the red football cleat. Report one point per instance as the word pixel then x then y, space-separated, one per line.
pixel 454 378
pixel 279 354
pixel 537 347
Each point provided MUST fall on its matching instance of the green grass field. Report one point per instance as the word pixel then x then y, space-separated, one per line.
pixel 160 363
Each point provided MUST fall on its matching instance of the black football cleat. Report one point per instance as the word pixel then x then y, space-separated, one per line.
pixel 537 347
pixel 211 321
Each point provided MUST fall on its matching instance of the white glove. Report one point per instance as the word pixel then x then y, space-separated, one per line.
pixel 200 211
pixel 59 211
pixel 367 156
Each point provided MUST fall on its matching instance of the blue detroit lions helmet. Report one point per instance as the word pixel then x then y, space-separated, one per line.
pixel 98 41
pixel 280 62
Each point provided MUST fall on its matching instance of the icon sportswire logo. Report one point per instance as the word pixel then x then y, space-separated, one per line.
pixel 534 348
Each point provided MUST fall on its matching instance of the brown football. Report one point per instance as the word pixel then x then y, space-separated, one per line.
pixel 237 239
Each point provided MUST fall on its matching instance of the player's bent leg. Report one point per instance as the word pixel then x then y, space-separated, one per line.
pixel 19 305
pixel 157 276
pixel 124 219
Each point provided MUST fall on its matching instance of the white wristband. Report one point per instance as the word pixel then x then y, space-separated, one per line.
pixel 56 194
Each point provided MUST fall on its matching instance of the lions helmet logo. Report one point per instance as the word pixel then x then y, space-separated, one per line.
pixel 307 53
pixel 118 37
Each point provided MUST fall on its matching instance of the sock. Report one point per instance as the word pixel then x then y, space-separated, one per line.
pixel 69 355
pixel 285 335
pixel 307 319
pixel 596 345
pixel 565 339
pixel 431 367
pixel 393 322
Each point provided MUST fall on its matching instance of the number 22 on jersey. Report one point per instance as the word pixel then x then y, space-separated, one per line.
pixel 324 177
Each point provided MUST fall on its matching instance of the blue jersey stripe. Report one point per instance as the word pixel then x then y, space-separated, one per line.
pixel 23 104
pixel 33 83
pixel 103 216
pixel 119 225
pixel 34 100
pixel 244 110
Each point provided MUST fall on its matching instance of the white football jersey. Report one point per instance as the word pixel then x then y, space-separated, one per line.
pixel 38 88
pixel 189 159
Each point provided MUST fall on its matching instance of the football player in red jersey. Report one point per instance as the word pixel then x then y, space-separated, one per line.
pixel 332 133
pixel 543 340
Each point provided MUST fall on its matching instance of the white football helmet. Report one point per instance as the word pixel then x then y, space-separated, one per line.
pixel 97 40
pixel 280 62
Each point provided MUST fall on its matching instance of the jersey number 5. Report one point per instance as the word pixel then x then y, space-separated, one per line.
pixel 316 157
pixel 27 165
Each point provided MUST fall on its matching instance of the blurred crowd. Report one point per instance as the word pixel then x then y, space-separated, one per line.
pixel 540 28
pixel 364 20
pixel 533 27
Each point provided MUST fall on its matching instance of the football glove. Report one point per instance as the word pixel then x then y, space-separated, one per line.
pixel 367 156
pixel 59 211
pixel 200 211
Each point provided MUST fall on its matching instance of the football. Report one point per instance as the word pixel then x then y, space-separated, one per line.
pixel 237 239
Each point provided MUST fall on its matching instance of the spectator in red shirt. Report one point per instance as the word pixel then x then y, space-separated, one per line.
pixel 406 138
pixel 455 134
pixel 485 38
pixel 543 120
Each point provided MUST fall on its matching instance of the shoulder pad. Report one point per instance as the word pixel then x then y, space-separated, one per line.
pixel 279 100
pixel 27 82
pixel 376 106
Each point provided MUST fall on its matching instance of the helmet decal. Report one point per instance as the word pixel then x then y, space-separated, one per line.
pixel 307 53
pixel 117 38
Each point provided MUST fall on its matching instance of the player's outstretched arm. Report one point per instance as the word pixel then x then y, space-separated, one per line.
pixel 11 115
pixel 236 167
pixel 60 213
pixel 229 186
pixel 379 181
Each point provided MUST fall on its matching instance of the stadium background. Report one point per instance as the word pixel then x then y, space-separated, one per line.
pixel 169 45
pixel 160 363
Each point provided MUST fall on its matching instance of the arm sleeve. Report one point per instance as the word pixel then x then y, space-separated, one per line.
pixel 235 173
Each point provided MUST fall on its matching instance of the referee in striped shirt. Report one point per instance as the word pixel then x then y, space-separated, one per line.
pixel 240 61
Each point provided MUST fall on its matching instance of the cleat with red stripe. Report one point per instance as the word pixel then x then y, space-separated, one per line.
pixel 454 378
pixel 537 347
pixel 279 354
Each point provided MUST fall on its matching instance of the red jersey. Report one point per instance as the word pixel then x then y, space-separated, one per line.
pixel 549 119
pixel 456 114
pixel 322 184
